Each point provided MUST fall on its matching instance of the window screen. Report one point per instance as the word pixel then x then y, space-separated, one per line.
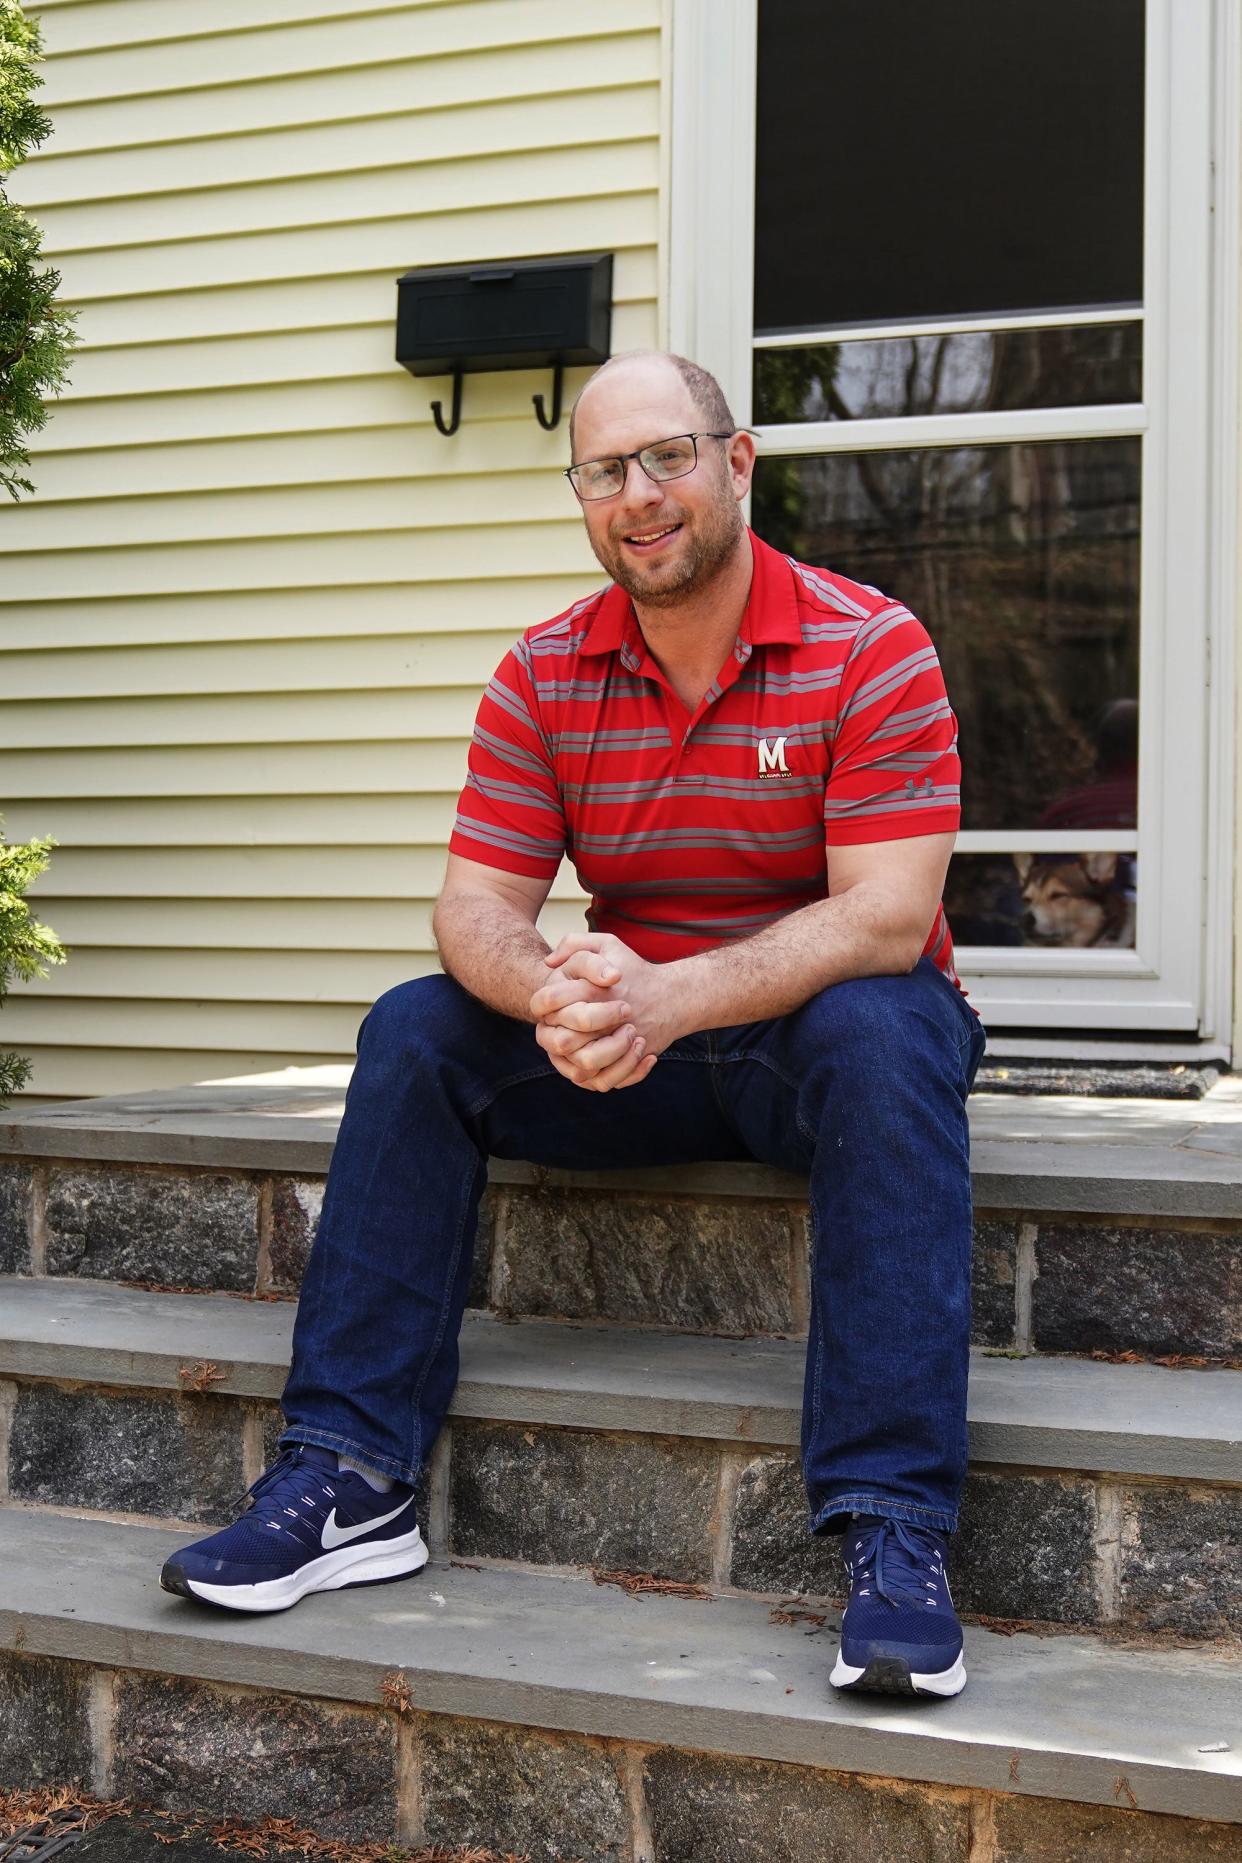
pixel 946 158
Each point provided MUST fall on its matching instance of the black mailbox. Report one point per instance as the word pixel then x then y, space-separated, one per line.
pixel 521 314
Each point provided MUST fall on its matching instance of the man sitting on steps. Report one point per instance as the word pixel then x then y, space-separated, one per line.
pixel 754 766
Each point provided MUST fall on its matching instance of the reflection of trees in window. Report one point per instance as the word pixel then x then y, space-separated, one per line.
pixel 788 382
pixel 994 370
pixel 970 371
pixel 1022 562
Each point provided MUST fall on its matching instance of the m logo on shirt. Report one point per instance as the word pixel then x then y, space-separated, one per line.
pixel 772 757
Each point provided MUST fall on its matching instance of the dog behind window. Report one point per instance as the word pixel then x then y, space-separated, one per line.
pixel 1077 899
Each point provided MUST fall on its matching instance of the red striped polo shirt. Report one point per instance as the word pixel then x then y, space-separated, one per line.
pixel 828 725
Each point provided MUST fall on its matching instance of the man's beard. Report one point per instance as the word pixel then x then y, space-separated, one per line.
pixel 708 547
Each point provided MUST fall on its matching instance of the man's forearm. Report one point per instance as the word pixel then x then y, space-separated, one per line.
pixel 783 966
pixel 493 951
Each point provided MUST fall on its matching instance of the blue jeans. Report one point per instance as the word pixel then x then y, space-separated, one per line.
pixel 864 1088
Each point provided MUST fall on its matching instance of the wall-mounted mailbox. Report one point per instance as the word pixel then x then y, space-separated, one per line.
pixel 521 314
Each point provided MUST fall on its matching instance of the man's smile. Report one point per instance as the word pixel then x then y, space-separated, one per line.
pixel 649 540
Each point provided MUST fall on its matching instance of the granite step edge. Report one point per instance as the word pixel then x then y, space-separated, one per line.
pixel 1038 1411
pixel 1049 1170
pixel 1059 1718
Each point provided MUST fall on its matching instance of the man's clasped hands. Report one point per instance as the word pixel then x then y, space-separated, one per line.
pixel 605 1014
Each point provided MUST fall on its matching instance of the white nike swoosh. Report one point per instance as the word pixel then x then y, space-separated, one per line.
pixel 333 1535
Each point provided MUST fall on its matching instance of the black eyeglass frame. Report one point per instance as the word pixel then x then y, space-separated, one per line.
pixel 623 460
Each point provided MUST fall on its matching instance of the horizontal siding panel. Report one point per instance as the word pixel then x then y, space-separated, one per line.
pixel 288 1029
pixel 114 822
pixel 245 310
pixel 351 975
pixel 89 25
pixel 440 505
pixel 241 361
pixel 398 455
pixel 68 1073
pixel 295 355
pixel 572 220
pixel 216 925
pixel 283 563
pixel 242 414
pixel 288 614
pixel 235 770
pixel 394 399
pixel 243 718
pixel 244 873
pixel 266 667
pixel 392 90
pixel 326 46
pixel 280 924
pixel 365 152
pixel 540 173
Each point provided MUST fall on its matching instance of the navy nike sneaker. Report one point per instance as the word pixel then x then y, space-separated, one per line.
pixel 900 1634
pixel 309 1527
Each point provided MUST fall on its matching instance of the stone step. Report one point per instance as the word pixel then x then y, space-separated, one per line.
pixel 546 1713
pixel 1102 1496
pixel 1111 1226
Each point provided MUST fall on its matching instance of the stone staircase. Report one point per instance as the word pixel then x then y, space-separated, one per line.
pixel 620 1647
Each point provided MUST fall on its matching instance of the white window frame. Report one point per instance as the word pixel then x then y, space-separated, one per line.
pixel 1178 979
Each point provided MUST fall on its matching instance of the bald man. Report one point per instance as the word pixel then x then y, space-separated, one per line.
pixel 753 765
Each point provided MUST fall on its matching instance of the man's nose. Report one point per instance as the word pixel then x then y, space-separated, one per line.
pixel 640 488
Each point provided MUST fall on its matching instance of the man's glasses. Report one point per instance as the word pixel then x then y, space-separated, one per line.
pixel 664 459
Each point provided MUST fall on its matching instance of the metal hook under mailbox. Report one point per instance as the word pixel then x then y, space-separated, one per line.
pixel 437 407
pixel 555 421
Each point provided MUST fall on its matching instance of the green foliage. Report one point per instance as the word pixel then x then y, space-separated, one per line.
pixel 36 332
pixel 26 947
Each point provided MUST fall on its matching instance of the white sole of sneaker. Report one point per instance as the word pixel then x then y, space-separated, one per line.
pixel 348 1565
pixel 947 1682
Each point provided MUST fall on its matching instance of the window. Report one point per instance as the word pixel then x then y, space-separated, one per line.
pixel 989 163
pixel 947 160
pixel 954 262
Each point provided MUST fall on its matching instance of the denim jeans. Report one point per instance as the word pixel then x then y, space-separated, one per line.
pixel 864 1088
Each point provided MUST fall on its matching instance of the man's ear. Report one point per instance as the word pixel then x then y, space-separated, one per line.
pixel 742 457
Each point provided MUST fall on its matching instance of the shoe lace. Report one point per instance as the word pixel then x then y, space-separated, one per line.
pixel 897 1558
pixel 267 1497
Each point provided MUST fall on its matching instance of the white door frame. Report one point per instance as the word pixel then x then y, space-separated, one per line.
pixel 1178 980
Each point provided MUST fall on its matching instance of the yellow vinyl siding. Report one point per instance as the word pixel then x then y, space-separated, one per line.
pixel 369 93
pixel 323 40
pixel 230 770
pixel 622 107
pixel 264 666
pixel 245 620
pixel 287 614
pixel 439 506
pixel 508 550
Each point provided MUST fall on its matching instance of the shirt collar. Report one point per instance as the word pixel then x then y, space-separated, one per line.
pixel 613 619
pixel 771 613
